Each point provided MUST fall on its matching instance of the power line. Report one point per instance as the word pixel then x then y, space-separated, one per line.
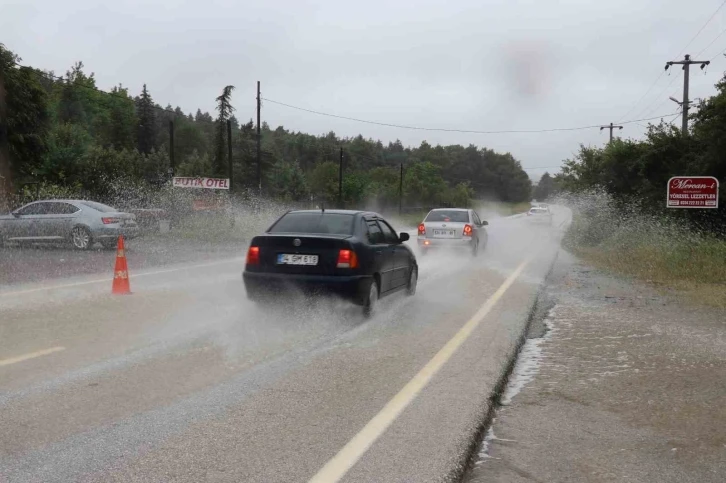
pixel 465 131
pixel 701 30
pixel 654 104
pixel 714 57
pixel 711 42
pixel 679 54
pixel 644 95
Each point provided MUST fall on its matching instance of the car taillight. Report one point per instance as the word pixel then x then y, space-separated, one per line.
pixel 467 230
pixel 421 229
pixel 109 221
pixel 253 256
pixel 347 259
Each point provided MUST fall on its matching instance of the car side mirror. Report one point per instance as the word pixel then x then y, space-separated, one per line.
pixel 484 223
pixel 15 214
pixel 403 237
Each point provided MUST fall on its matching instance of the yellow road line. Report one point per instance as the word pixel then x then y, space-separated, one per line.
pixel 342 462
pixel 32 355
pixel 106 280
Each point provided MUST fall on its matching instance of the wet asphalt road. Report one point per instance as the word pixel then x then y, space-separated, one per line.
pixel 185 380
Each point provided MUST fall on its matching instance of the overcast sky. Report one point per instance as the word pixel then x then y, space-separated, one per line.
pixel 462 64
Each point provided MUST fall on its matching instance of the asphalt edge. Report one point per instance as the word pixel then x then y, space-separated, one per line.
pixel 468 458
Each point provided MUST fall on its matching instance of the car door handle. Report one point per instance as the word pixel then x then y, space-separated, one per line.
pixel 378 251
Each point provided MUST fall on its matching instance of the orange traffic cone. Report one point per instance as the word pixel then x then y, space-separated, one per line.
pixel 121 272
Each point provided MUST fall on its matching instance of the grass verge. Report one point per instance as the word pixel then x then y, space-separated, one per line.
pixel 692 267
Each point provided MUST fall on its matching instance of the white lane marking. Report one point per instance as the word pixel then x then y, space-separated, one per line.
pixel 342 462
pixel 102 280
pixel 31 355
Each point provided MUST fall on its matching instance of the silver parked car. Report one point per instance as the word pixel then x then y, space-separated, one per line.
pixel 455 228
pixel 79 222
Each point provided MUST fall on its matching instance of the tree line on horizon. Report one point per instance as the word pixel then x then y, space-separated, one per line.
pixel 66 133
pixel 635 173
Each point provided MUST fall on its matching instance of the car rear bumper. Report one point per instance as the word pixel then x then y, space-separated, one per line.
pixel 452 243
pixel 105 233
pixel 265 285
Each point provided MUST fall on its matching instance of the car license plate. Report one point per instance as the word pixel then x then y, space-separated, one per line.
pixel 296 259
pixel 444 233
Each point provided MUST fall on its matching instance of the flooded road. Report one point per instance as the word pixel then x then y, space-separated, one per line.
pixel 186 380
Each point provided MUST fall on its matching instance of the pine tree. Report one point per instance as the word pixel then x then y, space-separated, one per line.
pixel 225 110
pixel 147 122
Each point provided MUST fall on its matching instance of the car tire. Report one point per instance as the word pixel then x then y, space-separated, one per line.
pixel 370 299
pixel 81 238
pixel 412 281
pixel 475 249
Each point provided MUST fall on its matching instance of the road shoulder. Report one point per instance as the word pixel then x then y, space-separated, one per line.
pixel 627 384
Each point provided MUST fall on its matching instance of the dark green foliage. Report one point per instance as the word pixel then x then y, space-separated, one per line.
pixel 146 129
pixel 25 121
pixel 225 109
pixel 544 188
pixel 68 133
pixel 637 172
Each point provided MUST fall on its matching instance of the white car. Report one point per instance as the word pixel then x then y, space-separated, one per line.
pixel 540 215
pixel 452 228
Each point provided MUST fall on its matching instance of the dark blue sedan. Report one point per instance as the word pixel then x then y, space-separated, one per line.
pixel 354 254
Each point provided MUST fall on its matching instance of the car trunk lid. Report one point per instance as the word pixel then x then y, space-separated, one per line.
pixel 295 254
pixel 444 229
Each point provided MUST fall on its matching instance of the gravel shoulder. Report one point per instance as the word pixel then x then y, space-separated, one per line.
pixel 626 384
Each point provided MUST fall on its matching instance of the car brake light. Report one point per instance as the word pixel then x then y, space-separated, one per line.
pixel 347 259
pixel 421 229
pixel 253 256
pixel 109 221
pixel 467 230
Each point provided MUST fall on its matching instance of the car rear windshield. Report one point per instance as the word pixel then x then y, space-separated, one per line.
pixel 99 207
pixel 456 216
pixel 538 210
pixel 319 223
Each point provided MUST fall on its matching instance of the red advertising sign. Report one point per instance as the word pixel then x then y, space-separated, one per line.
pixel 205 183
pixel 692 192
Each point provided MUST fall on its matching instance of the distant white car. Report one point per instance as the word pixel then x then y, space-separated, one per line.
pixel 540 214
pixel 453 228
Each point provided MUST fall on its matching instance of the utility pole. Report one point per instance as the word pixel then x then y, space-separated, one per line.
pixel 686 63
pixel 400 192
pixel 229 153
pixel 340 180
pixel 172 162
pixel 259 140
pixel 611 127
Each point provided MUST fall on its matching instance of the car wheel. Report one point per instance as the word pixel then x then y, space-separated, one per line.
pixel 475 249
pixel 371 299
pixel 81 238
pixel 412 281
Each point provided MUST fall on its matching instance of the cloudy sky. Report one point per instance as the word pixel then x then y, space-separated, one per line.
pixel 463 64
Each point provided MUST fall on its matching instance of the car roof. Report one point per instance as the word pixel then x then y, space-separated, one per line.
pixel 61 201
pixel 450 209
pixel 339 212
